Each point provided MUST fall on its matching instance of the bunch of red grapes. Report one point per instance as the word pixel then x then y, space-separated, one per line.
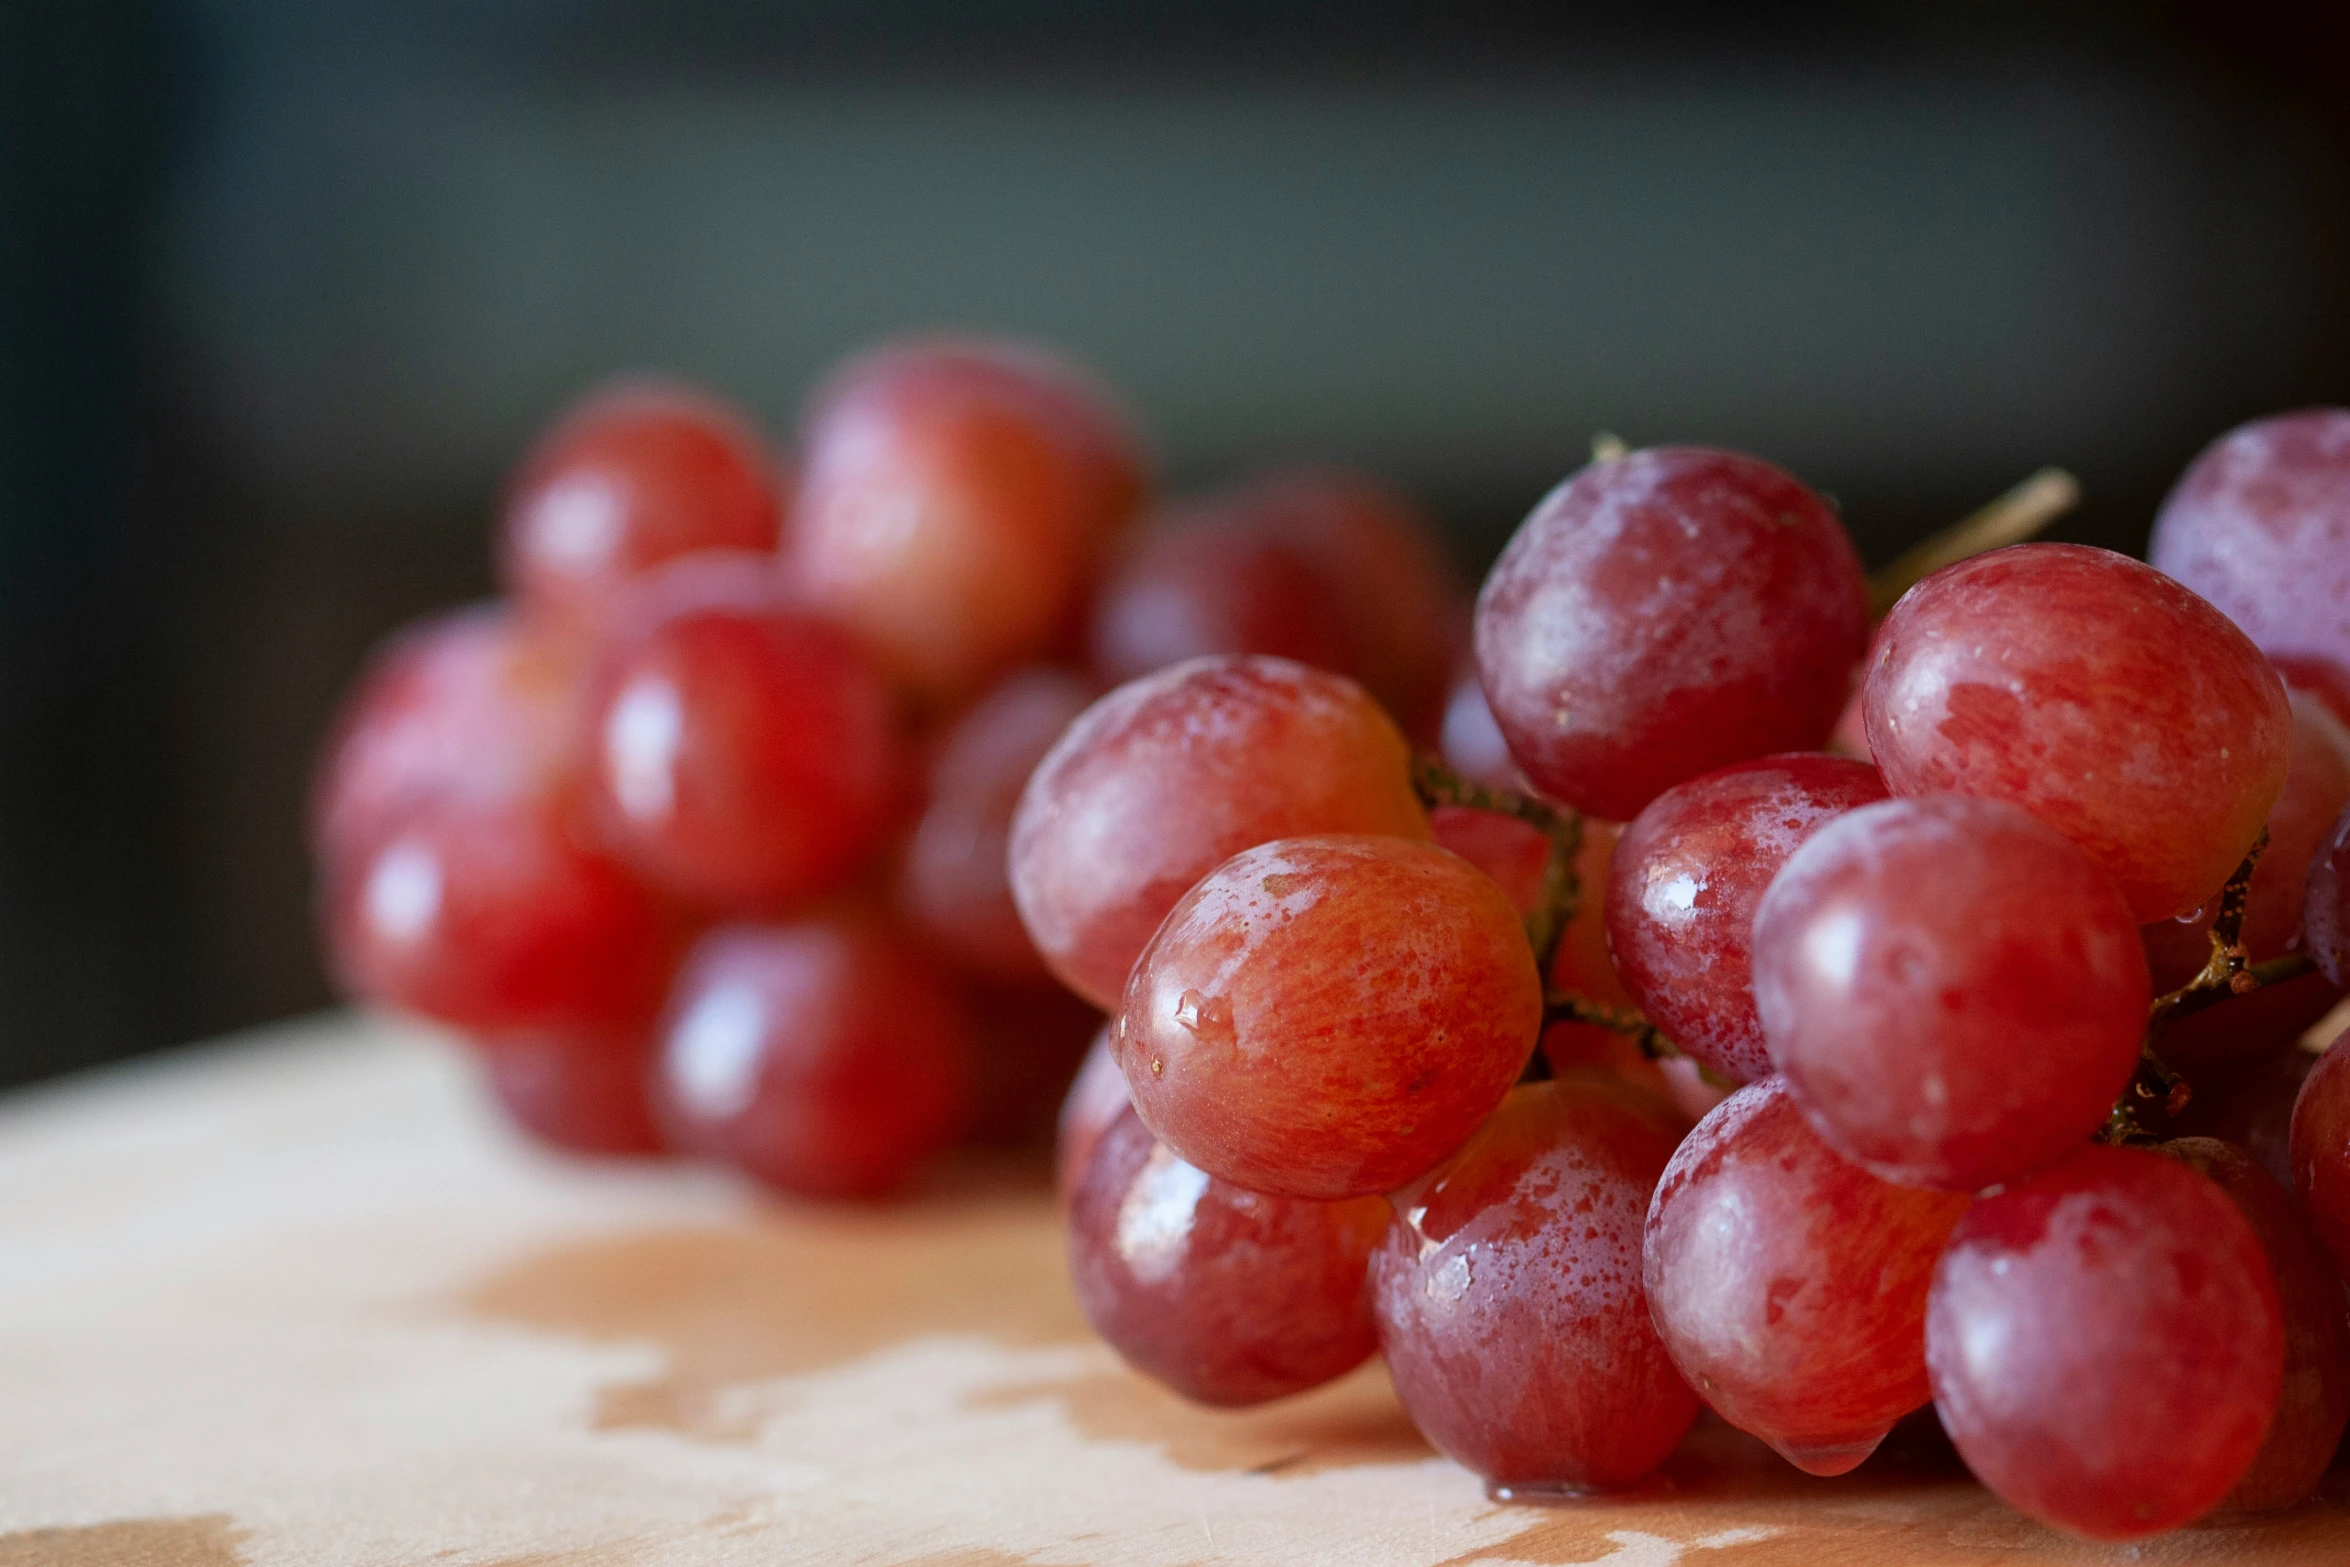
pixel 1993 1032
pixel 699 833
pixel 801 813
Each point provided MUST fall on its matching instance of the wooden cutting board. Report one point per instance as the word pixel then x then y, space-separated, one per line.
pixel 297 1298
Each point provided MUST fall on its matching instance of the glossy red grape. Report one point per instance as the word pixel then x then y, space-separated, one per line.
pixel 745 755
pixel 2106 1344
pixel 1407 616
pixel 2314 1401
pixel 472 705
pixel 2260 525
pixel 1097 1096
pixel 583 1091
pixel 2097 694
pixel 955 885
pixel 1790 1284
pixel 1227 1296
pixel 2325 916
pixel 2317 790
pixel 956 502
pixel 824 1056
pixel 1509 1298
pixel 1664 615
pixel 638 473
pixel 1953 992
pixel 1168 776
pixel 1204 581
pixel 1327 1017
pixel 2320 1146
pixel 1682 889
pixel 492 915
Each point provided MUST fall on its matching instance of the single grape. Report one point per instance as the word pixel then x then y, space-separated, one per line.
pixel 1227 1296
pixel 1168 776
pixel 1027 1042
pixel 1096 1098
pixel 1789 1284
pixel 493 915
pixel 2097 694
pixel 1407 616
pixel 1684 883
pixel 745 755
pixel 2259 524
pixel 956 503
pixel 639 472
pixel 2245 1097
pixel 1327 1017
pixel 1953 992
pixel 2106 1344
pixel 2317 789
pixel 2314 1401
pixel 1470 740
pixel 2320 1145
pixel 1663 615
pixel 473 704
pixel 954 885
pixel 824 1056
pixel 1203 580
pixel 2325 909
pixel 586 1091
pixel 1509 1299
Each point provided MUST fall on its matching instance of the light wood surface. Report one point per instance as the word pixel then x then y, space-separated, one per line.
pixel 296 1298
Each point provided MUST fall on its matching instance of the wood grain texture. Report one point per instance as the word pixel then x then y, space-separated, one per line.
pixel 297 1299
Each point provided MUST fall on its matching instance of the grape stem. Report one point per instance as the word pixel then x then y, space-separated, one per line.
pixel 1560 891
pixel 2014 517
pixel 2225 974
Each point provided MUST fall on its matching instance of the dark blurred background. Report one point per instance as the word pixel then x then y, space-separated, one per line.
pixel 285 283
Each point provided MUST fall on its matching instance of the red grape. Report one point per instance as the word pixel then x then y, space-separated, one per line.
pixel 1027 1042
pixel 1407 616
pixel 1096 1097
pixel 490 914
pixel 2325 918
pixel 1953 992
pixel 1205 581
pixel 823 1056
pixel 1663 615
pixel 2260 525
pixel 1470 740
pixel 1683 886
pixel 1327 1017
pixel 2320 1145
pixel 1509 1299
pixel 638 473
pixel 2106 1343
pixel 745 755
pixel 470 704
pixel 2314 1402
pixel 2097 694
pixel 2247 1097
pixel 956 502
pixel 955 886
pixel 1168 776
pixel 588 1092
pixel 1227 1296
pixel 2317 789
pixel 1790 1285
